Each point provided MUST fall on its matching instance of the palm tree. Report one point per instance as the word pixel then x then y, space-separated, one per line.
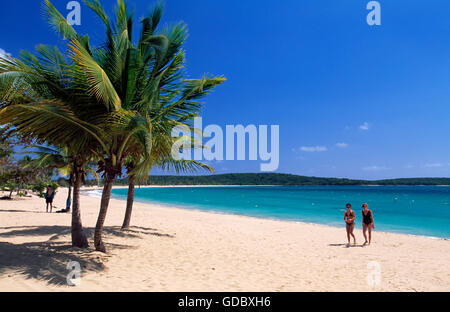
pixel 170 101
pixel 41 102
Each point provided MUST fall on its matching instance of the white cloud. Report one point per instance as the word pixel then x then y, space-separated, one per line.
pixel 3 53
pixel 313 149
pixel 364 126
pixel 342 145
pixel 434 165
pixel 375 168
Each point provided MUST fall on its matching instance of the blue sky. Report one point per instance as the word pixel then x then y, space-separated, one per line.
pixel 313 67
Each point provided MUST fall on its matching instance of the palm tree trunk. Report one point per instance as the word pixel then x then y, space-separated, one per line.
pixel 130 200
pixel 79 239
pixel 106 196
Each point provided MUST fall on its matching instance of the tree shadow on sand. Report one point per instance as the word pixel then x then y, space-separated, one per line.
pixel 134 230
pixel 47 260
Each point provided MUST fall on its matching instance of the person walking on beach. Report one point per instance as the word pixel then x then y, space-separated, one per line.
pixel 368 223
pixel 349 218
pixel 49 195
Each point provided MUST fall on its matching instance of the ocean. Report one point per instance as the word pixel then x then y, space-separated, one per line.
pixel 417 210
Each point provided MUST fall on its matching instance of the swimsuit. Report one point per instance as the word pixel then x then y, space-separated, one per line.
pixel 49 198
pixel 350 215
pixel 367 218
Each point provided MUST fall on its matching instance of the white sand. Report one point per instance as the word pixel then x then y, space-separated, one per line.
pixel 171 249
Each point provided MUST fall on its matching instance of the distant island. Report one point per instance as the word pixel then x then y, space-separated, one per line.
pixel 274 179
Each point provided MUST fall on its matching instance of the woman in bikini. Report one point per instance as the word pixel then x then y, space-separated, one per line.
pixel 349 218
pixel 368 223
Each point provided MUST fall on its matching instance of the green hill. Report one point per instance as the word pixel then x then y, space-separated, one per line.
pixel 277 179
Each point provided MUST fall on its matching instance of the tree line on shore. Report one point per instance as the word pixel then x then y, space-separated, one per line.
pixel 272 179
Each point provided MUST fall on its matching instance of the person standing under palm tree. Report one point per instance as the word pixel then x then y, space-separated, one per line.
pixel 49 195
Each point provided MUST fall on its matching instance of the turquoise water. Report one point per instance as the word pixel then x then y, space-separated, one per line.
pixel 419 210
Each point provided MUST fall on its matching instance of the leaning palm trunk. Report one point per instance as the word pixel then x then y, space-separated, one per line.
pixel 79 239
pixel 130 200
pixel 106 196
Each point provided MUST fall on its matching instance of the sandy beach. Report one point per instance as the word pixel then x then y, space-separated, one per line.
pixel 172 249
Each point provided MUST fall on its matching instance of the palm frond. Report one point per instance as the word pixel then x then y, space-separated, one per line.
pixel 97 8
pixel 99 84
pixel 58 22
pixel 49 120
pixel 183 166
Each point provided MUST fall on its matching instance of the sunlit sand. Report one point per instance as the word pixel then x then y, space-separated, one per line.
pixel 171 249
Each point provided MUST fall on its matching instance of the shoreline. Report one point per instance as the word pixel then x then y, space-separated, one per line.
pixel 218 212
pixel 175 249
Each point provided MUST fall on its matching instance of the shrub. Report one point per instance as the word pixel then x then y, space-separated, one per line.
pixel 39 188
